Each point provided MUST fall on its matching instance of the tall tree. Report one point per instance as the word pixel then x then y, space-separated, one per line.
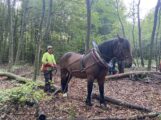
pixel 23 22
pixel 88 6
pixel 156 41
pixel 10 19
pixel 133 29
pixel 139 33
pixel 2 31
pixel 153 33
pixel 120 20
pixel 46 35
pixel 38 42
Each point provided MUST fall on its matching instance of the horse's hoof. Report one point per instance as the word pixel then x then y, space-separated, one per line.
pixel 65 95
pixel 89 103
pixel 104 106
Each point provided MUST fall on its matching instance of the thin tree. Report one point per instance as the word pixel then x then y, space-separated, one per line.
pixel 139 33
pixel 38 42
pixel 133 29
pixel 120 20
pixel 153 33
pixel 159 45
pixel 88 7
pixel 47 31
pixel 10 19
pixel 2 31
pixel 156 41
pixel 23 22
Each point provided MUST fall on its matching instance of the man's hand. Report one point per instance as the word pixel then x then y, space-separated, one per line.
pixel 52 65
pixel 55 65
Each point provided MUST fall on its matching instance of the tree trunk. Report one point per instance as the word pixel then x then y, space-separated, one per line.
pixel 2 31
pixel 156 41
pixel 139 34
pixel 88 7
pixel 153 34
pixel 10 18
pixel 133 34
pixel 15 30
pixel 38 43
pixel 122 26
pixel 47 31
pixel 159 51
pixel 21 40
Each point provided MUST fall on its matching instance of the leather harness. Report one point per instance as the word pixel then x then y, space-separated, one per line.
pixel 97 59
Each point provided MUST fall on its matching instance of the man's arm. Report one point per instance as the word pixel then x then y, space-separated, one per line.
pixel 54 61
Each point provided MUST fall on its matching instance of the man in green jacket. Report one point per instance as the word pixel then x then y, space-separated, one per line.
pixel 48 64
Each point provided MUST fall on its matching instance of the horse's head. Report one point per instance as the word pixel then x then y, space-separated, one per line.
pixel 122 51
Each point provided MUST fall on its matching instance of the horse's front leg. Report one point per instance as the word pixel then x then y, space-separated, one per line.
pixel 121 66
pixel 89 90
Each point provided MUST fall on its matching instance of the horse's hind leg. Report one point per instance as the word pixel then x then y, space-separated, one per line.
pixel 89 87
pixel 100 81
pixel 65 78
pixel 101 90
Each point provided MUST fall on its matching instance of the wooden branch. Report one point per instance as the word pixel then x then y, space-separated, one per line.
pixel 122 103
pixel 128 74
pixel 135 117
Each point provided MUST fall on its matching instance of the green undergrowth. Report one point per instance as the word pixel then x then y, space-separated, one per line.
pixel 26 93
pixel 160 117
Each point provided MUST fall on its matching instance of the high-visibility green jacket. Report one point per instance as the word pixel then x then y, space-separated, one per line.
pixel 48 59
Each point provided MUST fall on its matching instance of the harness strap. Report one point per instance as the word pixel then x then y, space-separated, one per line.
pixel 82 66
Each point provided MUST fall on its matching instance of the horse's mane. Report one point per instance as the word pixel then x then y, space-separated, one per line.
pixel 107 47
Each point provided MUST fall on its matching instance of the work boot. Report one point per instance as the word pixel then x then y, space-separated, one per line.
pixel 47 87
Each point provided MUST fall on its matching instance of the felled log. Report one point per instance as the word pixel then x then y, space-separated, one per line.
pixel 122 103
pixel 131 74
pixel 25 74
pixel 24 80
pixel 14 76
pixel 135 117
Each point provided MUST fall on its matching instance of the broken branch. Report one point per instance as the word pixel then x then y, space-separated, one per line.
pixel 130 74
pixel 135 117
pixel 121 103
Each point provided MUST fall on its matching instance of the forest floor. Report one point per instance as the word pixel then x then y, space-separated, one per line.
pixel 145 93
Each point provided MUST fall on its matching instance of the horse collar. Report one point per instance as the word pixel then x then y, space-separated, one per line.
pixel 98 58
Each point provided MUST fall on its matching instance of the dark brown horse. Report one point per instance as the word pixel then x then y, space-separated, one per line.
pixel 93 65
